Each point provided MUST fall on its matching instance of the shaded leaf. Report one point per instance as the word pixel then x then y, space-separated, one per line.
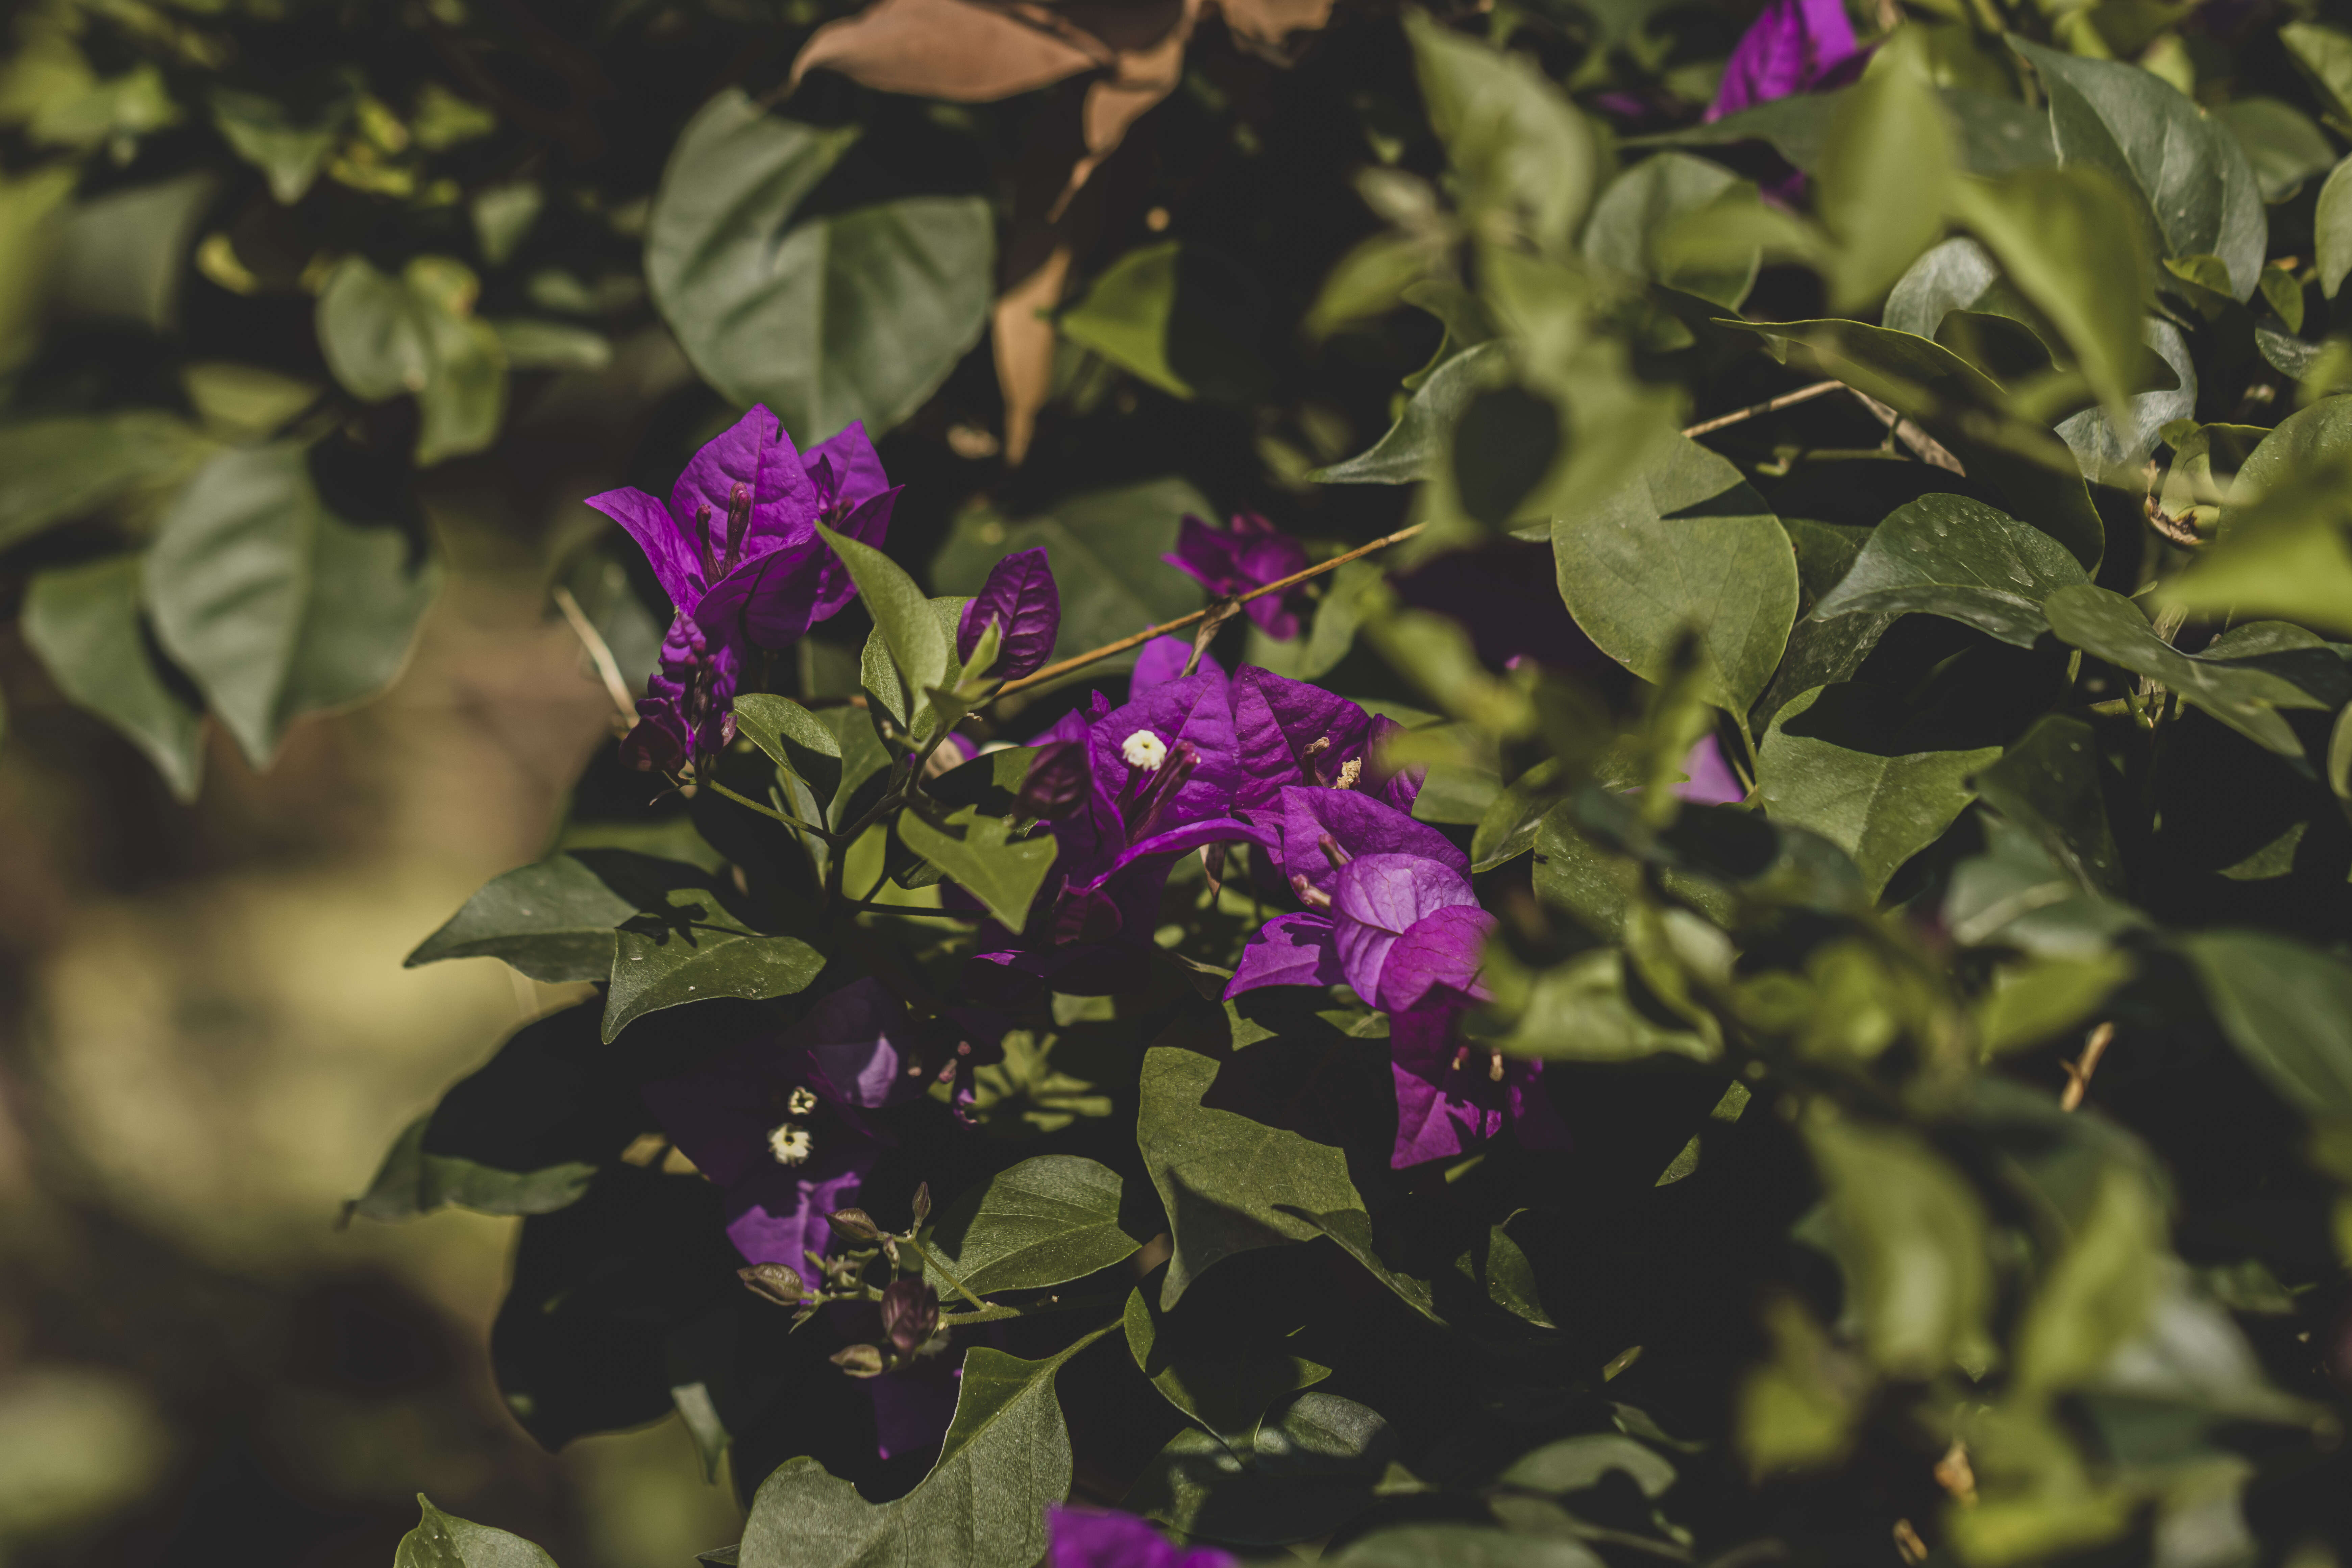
pixel 980 853
pixel 1911 1239
pixel 827 319
pixel 692 949
pixel 54 470
pixel 556 920
pixel 2286 1007
pixel 1688 546
pixel 2240 694
pixel 1419 441
pixel 445 1541
pixel 1181 318
pixel 274 601
pixel 85 624
pixel 2048 783
pixel 1311 1467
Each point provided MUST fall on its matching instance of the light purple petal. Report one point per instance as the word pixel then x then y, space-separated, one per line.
pixel 1711 780
pixel 1161 660
pixel 1427 1128
pixel 1020 598
pixel 777 1214
pixel 673 554
pixel 854 1058
pixel 1446 948
pixel 1358 824
pixel 754 452
pixel 1205 554
pixel 1289 949
pixel 1376 898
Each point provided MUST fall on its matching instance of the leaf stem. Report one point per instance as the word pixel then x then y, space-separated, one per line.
pixel 996 1313
pixel 745 800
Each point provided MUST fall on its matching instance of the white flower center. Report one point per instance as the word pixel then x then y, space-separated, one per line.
pixel 1144 750
pixel 791 1143
pixel 799 1103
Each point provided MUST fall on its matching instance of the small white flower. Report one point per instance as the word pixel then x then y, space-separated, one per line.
pixel 1144 750
pixel 799 1103
pixel 791 1143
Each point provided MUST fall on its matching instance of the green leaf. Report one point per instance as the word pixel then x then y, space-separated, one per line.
pixel 445 1541
pixel 2048 783
pixel 1579 1011
pixel 1578 1464
pixel 775 724
pixel 287 145
pixel 1689 545
pixel 1821 652
pixel 1348 596
pixel 1506 829
pixel 2286 553
pixel 1878 802
pixel 245 403
pixel 2324 56
pixel 503 215
pixel 412 1182
pixel 1420 440
pixel 2068 240
pixel 2241 695
pixel 980 853
pixel 1996 135
pixel 1519 144
pixel 2286 1007
pixel 2046 997
pixel 2281 145
pixel 1913 1242
pixel 1644 202
pixel 54 470
pixel 122 257
pixel 1223 1176
pixel 1947 555
pixel 2097 1295
pixel 902 612
pixel 1182 318
pixel 1046 1221
pixel 274 600
pixel 1225 1387
pixel 1883 176
pixel 85 624
pixel 417 333
pixel 1462 1546
pixel 825 318
pixel 1310 1469
pixel 2028 466
pixel 555 920
pixel 1104 547
pixel 1006 1457
pixel 2194 192
pixel 691 949
pixel 531 344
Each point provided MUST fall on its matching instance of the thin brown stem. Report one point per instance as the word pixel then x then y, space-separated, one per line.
pixel 600 653
pixel 2078 1072
pixel 1770 404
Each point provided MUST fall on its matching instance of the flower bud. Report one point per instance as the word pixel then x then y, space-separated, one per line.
pixel 1057 782
pixel 773 1283
pixel 855 1225
pixel 910 1310
pixel 923 1202
pixel 859 1361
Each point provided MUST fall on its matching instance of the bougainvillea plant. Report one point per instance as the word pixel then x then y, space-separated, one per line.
pixel 1707 923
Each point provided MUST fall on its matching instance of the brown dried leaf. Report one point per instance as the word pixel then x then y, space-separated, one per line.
pixel 1024 338
pixel 1266 27
pixel 954 50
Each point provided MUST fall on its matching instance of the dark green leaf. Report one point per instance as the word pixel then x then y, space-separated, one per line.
pixel 1181 318
pixel 1519 144
pixel 1223 1176
pixel 2287 1009
pixel 1418 442
pixel 777 724
pixel 2096 1296
pixel 1311 1469
pixel 1462 1546
pixel 444 1540
pixel 1006 1457
pixel 417 333
pixel 531 344
pixel 273 602
pixel 1688 546
pixel 2032 469
pixel 691 949
pixel 1881 806
pixel 2281 145
pixel 1046 1221
pixel 2195 191
pixel 122 257
pixel 286 145
pixel 1641 202
pixel 84 623
pixel 556 920
pixel 1575 1464
pixel 54 470
pixel 1996 135
pixel 847 315
pixel 902 612
pixel 980 853
pixel 2240 695
pixel 1911 1238
pixel 1821 652
pixel 1577 1011
pixel 2048 783
pixel 1227 1391
pixel 1947 555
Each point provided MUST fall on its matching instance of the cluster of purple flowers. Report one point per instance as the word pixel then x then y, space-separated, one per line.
pixel 1195 761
